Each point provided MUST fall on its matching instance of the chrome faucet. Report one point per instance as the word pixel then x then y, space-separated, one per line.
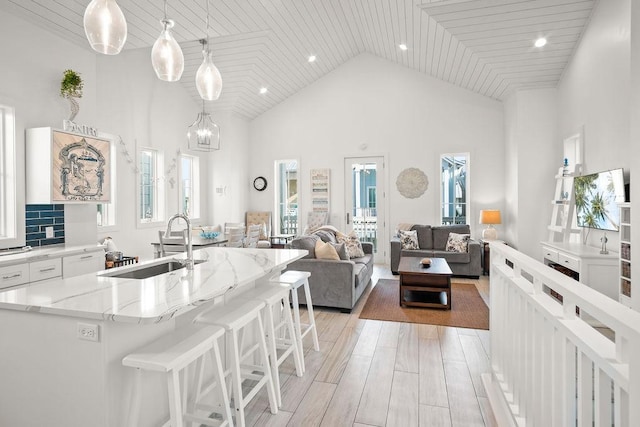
pixel 189 262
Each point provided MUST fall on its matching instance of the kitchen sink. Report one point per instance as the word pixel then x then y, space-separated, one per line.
pixel 144 272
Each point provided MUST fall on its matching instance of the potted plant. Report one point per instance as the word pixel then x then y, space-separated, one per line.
pixel 71 89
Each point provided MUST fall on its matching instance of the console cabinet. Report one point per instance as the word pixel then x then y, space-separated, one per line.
pixel 585 264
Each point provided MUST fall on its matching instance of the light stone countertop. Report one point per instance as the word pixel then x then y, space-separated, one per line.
pixel 152 300
pixel 53 251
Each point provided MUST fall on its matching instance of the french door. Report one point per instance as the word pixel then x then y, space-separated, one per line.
pixel 365 201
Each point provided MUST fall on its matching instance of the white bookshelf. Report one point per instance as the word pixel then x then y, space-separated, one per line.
pixel 625 254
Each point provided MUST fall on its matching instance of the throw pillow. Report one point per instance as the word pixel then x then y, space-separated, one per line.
pixel 326 251
pixel 341 249
pixel 263 229
pixel 409 239
pixel 307 243
pixel 458 242
pixel 352 243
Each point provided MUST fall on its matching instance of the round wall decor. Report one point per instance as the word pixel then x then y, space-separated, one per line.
pixel 260 183
pixel 412 183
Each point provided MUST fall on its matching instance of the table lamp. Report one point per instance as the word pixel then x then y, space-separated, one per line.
pixel 490 217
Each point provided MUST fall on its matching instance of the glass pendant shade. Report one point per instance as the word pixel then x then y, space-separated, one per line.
pixel 105 26
pixel 208 79
pixel 204 134
pixel 166 56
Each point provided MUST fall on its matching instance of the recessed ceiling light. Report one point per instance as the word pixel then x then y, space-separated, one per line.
pixel 540 42
pixel 263 90
pixel 403 46
pixel 312 58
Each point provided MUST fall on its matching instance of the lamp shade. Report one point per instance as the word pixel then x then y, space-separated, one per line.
pixel 105 26
pixel 208 79
pixel 490 216
pixel 166 56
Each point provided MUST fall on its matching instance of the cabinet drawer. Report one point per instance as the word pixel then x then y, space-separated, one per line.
pixel 569 262
pixel 14 275
pixel 45 269
pixel 88 262
pixel 550 254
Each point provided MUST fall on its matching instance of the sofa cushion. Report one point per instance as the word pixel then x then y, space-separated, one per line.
pixel 441 234
pixel 458 242
pixel 409 239
pixel 307 243
pixel 351 241
pixel 360 271
pixel 425 236
pixel 366 259
pixel 325 250
pixel 453 257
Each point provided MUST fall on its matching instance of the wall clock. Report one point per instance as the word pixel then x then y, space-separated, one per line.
pixel 260 183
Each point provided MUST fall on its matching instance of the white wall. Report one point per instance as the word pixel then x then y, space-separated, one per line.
pixel 408 116
pixel 534 154
pixel 595 92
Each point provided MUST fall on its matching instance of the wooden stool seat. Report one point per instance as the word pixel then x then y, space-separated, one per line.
pixel 280 333
pixel 235 317
pixel 170 355
pixel 295 279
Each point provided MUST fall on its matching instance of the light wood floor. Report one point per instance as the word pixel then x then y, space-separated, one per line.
pixel 376 373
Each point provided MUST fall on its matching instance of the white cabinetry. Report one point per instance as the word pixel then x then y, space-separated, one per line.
pixel 45 269
pixel 64 167
pixel 585 264
pixel 625 254
pixel 14 275
pixel 88 262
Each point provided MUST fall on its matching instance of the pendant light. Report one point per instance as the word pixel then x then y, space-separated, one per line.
pixel 204 134
pixel 166 56
pixel 105 26
pixel 208 78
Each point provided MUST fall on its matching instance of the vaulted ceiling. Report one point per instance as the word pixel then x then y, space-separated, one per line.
pixel 485 46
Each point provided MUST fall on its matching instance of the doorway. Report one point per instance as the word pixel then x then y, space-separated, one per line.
pixel 365 202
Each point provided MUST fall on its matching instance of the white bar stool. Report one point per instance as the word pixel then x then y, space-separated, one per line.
pixel 234 317
pixel 294 279
pixel 172 354
pixel 277 297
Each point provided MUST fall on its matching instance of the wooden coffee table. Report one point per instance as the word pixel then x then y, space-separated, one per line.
pixel 425 287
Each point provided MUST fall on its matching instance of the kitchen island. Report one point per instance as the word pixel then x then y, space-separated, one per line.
pixel 62 341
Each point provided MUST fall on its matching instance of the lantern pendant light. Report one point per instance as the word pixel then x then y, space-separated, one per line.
pixel 204 134
pixel 166 56
pixel 105 26
pixel 208 78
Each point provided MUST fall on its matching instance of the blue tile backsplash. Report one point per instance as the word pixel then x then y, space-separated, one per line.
pixel 38 218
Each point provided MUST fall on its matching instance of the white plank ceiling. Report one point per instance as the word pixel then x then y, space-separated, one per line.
pixel 485 46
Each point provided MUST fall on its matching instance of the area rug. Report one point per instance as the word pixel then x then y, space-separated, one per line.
pixel 468 310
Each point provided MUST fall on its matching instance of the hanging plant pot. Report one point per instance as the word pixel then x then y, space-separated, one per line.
pixel 71 89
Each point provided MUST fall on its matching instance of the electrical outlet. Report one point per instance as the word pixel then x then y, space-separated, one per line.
pixel 48 231
pixel 89 332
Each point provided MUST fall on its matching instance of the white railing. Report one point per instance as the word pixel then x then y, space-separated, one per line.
pixel 549 366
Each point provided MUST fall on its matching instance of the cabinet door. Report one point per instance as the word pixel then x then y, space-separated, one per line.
pixel 14 275
pixel 45 269
pixel 88 262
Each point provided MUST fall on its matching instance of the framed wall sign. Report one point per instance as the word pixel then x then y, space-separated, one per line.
pixel 81 168
pixel 320 190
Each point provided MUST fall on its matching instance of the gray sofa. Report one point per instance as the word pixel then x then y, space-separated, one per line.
pixel 337 284
pixel 433 241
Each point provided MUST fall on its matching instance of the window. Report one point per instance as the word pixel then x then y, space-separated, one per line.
pixel 8 207
pixel 286 192
pixel 151 189
pixel 106 216
pixel 454 188
pixel 189 191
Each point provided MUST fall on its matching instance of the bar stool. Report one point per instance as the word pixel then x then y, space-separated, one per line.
pixel 172 354
pixel 294 279
pixel 235 317
pixel 277 297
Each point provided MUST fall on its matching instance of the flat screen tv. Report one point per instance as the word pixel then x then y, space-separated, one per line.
pixel 597 198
